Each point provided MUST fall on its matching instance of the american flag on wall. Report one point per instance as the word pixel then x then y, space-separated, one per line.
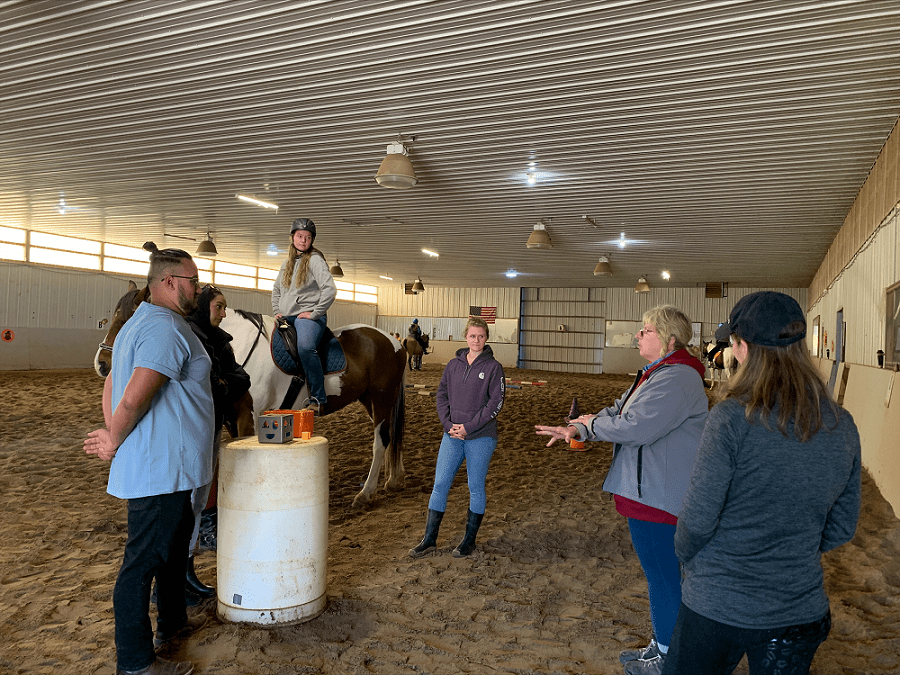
pixel 489 314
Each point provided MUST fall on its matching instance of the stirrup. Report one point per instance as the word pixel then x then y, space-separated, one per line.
pixel 312 403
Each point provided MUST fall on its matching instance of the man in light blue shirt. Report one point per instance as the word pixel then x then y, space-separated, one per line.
pixel 158 408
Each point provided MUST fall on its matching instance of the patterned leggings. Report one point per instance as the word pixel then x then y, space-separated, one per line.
pixel 701 646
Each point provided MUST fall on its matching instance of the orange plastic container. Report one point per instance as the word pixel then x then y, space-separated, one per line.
pixel 577 445
pixel 303 420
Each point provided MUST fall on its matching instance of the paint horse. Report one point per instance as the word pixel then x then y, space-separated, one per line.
pixel 721 359
pixel 415 351
pixel 374 376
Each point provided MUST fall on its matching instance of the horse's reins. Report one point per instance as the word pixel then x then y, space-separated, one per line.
pixel 256 320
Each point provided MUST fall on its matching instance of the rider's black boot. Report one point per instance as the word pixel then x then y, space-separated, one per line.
pixel 467 545
pixel 193 584
pixel 429 542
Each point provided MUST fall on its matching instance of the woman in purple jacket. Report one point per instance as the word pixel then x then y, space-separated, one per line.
pixel 468 400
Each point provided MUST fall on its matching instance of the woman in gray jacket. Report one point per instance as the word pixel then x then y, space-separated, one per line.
pixel 302 293
pixel 655 430
pixel 776 484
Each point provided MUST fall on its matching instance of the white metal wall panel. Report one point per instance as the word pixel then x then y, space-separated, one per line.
pixel 446 302
pixel 623 304
pixel 36 296
pixel 859 292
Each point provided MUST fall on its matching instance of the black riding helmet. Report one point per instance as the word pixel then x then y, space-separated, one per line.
pixel 304 224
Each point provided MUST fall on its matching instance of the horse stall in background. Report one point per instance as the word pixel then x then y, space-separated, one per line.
pixel 374 376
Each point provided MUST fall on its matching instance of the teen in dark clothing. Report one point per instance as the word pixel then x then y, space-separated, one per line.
pixel 229 383
pixel 468 400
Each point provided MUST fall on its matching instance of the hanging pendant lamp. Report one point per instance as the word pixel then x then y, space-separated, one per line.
pixel 396 170
pixel 207 248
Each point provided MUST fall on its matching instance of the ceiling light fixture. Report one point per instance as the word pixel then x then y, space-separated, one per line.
pixel 431 253
pixel 590 220
pixel 622 241
pixel 258 202
pixel 603 268
pixel 642 286
pixel 417 286
pixel 381 276
pixel 539 237
pixel 207 248
pixel 396 170
pixel 336 270
pixel 666 275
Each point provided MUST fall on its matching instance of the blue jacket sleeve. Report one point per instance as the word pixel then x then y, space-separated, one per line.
pixel 840 524
pixel 711 477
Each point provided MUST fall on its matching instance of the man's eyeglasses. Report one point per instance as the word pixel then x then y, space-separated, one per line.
pixel 194 280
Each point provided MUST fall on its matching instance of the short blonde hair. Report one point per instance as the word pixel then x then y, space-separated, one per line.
pixel 480 323
pixel 670 322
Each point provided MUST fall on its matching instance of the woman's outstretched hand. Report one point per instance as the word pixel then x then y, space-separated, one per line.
pixel 557 433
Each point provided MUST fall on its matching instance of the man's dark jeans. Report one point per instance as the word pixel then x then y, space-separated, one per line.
pixel 159 533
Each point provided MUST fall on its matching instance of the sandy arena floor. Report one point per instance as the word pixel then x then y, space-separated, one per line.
pixel 554 586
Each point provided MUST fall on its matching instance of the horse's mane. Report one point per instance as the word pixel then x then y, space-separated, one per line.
pixel 126 303
pixel 255 318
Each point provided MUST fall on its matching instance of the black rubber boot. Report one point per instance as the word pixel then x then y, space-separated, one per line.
pixel 194 585
pixel 467 545
pixel 429 543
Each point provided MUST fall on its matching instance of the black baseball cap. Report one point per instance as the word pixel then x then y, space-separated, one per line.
pixel 763 318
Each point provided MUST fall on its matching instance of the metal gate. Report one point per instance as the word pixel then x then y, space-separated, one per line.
pixel 562 329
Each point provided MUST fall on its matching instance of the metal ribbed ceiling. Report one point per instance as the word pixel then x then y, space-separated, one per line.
pixel 727 140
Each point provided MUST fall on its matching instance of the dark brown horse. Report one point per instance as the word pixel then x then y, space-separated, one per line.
pixel 374 377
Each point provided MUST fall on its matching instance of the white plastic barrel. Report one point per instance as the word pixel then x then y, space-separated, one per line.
pixel 272 547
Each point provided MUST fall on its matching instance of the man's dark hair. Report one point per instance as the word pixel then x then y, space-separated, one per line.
pixel 161 261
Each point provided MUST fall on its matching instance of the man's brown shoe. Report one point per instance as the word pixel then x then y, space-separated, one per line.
pixel 193 624
pixel 161 667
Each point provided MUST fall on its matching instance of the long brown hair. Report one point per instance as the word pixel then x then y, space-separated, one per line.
pixel 782 379
pixel 303 270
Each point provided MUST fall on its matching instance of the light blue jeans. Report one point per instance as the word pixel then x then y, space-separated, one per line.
pixel 477 454
pixel 309 332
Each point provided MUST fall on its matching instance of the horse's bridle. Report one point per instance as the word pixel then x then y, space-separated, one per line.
pixel 105 347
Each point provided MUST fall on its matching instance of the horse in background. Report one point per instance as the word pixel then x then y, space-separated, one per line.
pixel 374 376
pixel 415 351
pixel 719 359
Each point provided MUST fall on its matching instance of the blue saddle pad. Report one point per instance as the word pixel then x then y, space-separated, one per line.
pixel 335 360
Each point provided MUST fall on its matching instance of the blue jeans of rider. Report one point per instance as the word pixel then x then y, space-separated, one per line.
pixel 309 332
pixel 477 454
pixel 159 529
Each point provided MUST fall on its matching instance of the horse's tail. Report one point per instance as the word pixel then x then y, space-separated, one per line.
pixel 398 416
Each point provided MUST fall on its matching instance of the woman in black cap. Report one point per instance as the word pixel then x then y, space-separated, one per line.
pixel 303 291
pixel 776 483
